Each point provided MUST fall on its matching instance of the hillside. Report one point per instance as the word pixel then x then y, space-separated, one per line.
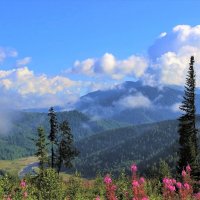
pixel 113 150
pixel 17 140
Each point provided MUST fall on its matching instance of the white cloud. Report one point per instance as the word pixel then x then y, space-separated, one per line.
pixel 163 34
pixel 175 107
pixel 30 90
pixel 108 65
pixel 7 52
pixel 134 101
pixel 24 81
pixel 170 55
pixel 23 62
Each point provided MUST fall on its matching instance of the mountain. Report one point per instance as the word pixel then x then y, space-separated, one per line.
pixel 18 129
pixel 134 103
pixel 113 150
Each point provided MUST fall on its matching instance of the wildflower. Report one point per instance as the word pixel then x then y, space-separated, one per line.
pixel 178 185
pixel 9 198
pixel 25 194
pixel 145 198
pixel 135 183
pixel 188 168
pixel 197 196
pixel 114 187
pixel 97 198
pixel 107 179
pixel 23 183
pixel 171 188
pixel 142 180
pixel 187 186
pixel 133 168
pixel 184 173
pixel 174 181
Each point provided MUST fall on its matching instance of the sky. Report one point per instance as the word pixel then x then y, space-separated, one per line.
pixel 54 51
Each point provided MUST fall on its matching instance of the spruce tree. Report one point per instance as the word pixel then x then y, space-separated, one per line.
pixel 188 150
pixel 42 152
pixel 53 133
pixel 66 150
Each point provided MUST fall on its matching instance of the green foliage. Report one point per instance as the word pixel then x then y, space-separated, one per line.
pixel 154 189
pixel 124 186
pixel 78 189
pixel 99 187
pixel 188 151
pixel 49 185
pixel 164 170
pixel 66 150
pixel 53 134
pixel 7 183
pixel 42 152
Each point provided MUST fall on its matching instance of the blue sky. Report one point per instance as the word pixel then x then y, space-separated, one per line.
pixel 56 33
pixel 44 39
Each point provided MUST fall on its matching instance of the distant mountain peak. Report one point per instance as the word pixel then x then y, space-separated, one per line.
pixel 132 83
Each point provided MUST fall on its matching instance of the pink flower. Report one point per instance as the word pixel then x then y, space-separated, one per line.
pixel 174 181
pixel 145 198
pixel 187 186
pixel 133 168
pixel 142 180
pixel 114 187
pixel 167 181
pixel 97 198
pixel 179 185
pixel 107 179
pixel 197 196
pixel 188 168
pixel 9 198
pixel 25 194
pixel 135 183
pixel 184 173
pixel 23 184
pixel 171 188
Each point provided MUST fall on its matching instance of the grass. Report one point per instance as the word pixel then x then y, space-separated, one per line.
pixel 15 166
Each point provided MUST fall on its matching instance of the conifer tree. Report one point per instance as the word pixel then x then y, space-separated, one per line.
pixel 66 150
pixel 53 133
pixel 42 152
pixel 188 150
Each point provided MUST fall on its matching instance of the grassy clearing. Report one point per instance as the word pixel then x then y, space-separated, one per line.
pixel 15 166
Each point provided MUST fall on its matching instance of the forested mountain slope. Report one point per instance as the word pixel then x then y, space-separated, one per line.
pixel 113 150
pixel 16 140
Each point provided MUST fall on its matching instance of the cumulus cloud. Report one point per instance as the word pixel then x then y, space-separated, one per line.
pixel 24 81
pixel 134 101
pixel 23 62
pixel 171 52
pixel 108 65
pixel 23 86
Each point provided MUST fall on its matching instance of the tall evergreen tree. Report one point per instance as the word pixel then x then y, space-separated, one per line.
pixel 53 133
pixel 42 152
pixel 66 150
pixel 188 151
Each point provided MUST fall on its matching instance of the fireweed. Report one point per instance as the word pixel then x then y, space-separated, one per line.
pixel 110 188
pixel 138 185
